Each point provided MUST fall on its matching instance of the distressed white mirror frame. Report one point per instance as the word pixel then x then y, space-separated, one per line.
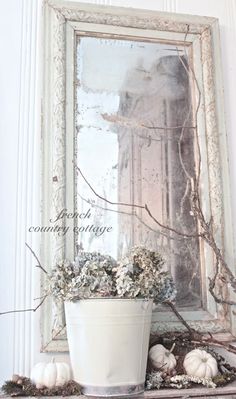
pixel 65 20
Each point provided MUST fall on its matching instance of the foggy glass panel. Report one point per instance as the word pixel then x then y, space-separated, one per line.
pixel 133 99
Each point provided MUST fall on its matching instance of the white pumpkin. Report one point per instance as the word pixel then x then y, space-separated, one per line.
pixel 199 363
pixel 50 375
pixel 162 357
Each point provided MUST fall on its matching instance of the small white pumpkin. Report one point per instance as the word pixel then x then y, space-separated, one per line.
pixel 199 363
pixel 50 375
pixel 162 357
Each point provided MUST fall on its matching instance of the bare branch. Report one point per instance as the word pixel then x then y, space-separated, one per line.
pixel 187 69
pixel 93 205
pixel 186 235
pixel 216 343
pixel 128 122
pixel 212 283
pixel 144 207
pixel 205 227
pixel 179 148
pixel 185 196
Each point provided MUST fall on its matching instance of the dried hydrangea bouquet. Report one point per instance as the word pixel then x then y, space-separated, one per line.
pixel 139 274
pixel 108 308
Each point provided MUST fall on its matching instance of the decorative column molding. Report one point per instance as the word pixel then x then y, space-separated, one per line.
pixel 169 5
pixel 28 189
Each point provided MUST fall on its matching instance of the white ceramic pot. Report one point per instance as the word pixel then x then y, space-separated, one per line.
pixel 108 342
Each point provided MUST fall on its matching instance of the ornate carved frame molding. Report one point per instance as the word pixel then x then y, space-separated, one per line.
pixel 63 21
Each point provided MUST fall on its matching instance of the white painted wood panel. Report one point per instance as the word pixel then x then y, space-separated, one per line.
pixel 9 105
pixel 20 156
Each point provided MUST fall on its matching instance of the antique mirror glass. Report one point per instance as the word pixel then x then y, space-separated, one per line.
pixel 134 145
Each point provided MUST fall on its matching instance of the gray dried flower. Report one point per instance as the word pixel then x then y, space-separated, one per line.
pixel 182 381
pixel 140 274
pixel 91 275
pixel 153 380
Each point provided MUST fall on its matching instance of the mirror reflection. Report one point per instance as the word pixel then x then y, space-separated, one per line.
pixel 135 146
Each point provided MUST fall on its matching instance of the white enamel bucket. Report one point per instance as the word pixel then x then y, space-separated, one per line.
pixel 108 343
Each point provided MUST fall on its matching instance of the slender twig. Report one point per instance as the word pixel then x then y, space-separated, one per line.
pixel 26 310
pixel 178 315
pixel 196 339
pixel 38 298
pixel 37 259
pixel 42 298
pixel 54 336
pixel 168 127
pixel 189 177
pixel 214 342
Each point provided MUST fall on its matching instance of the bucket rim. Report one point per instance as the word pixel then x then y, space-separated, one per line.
pixel 114 299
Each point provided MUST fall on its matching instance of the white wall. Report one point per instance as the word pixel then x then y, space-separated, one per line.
pixel 20 162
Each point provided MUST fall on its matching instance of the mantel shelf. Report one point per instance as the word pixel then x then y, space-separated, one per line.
pixel 197 393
